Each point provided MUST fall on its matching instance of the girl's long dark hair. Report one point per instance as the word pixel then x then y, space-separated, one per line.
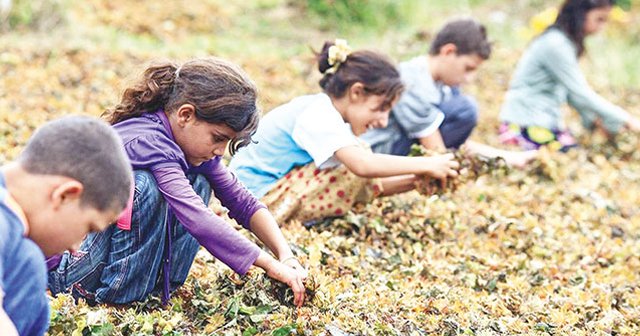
pixel 572 16
pixel 219 90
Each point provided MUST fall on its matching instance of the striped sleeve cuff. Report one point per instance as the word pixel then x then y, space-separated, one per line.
pixel 429 129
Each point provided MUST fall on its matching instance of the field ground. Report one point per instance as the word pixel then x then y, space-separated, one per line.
pixel 551 250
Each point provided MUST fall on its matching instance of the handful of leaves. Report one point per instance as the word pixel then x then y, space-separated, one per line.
pixel 267 290
pixel 472 166
pixel 284 293
pixel 625 145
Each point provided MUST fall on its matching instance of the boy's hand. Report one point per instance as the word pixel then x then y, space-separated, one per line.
pixel 634 124
pixel 291 276
pixel 520 159
pixel 6 325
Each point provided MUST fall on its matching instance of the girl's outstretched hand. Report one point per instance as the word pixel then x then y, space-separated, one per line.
pixel 442 167
pixel 293 277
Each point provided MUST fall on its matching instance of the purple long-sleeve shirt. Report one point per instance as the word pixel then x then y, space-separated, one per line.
pixel 149 143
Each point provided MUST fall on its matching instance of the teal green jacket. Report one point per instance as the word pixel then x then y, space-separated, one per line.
pixel 548 76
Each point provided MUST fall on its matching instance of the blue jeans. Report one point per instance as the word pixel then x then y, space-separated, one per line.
pixel 122 266
pixel 460 118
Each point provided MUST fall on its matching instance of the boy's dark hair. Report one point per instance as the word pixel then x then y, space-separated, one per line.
pixel 85 149
pixel 468 35
pixel 571 19
pixel 375 71
pixel 220 92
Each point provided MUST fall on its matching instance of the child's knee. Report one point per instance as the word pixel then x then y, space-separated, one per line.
pixel 469 110
pixel 461 109
pixel 145 184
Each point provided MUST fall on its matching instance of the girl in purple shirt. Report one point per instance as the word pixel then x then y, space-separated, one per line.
pixel 176 123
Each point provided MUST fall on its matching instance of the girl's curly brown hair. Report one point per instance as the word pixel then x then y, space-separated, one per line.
pixel 220 92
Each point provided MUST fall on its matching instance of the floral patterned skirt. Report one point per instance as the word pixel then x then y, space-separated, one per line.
pixel 308 194
pixel 533 137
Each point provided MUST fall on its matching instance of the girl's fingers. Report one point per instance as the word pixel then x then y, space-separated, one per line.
pixel 298 292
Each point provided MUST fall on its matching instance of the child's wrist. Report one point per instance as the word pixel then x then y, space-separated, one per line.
pixel 265 261
pixel 291 257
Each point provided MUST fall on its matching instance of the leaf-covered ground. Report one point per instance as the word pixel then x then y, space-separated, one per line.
pixel 552 249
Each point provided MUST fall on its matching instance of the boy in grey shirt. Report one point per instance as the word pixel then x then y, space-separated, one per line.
pixel 432 111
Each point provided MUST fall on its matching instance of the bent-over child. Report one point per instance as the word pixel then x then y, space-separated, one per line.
pixel 176 122
pixel 72 178
pixel 433 111
pixel 548 75
pixel 307 162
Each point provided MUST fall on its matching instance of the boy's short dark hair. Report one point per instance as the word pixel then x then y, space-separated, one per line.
pixel 468 35
pixel 85 149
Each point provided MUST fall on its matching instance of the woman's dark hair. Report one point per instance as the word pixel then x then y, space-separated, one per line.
pixel 572 16
pixel 375 71
pixel 220 92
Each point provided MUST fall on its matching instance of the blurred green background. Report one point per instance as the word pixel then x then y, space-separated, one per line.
pixel 73 56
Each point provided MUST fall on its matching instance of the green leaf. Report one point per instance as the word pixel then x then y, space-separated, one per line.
pixel 257 318
pixel 247 310
pixel 250 331
pixel 232 309
pixel 284 331
pixel 391 285
pixel 541 326
pixel 492 285
pixel 263 309
pixel 102 330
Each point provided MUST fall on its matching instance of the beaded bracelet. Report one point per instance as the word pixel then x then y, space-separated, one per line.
pixel 291 257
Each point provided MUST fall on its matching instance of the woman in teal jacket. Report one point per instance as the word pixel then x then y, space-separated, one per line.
pixel 548 75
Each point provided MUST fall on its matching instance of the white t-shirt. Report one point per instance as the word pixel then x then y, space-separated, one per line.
pixel 308 128
pixel 321 131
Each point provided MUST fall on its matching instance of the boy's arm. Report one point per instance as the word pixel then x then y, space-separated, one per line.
pixel 6 325
pixel 518 159
pixel 433 141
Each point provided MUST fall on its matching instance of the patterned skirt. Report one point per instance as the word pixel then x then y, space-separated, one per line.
pixel 533 137
pixel 309 194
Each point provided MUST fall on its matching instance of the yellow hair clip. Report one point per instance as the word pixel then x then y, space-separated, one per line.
pixel 338 53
